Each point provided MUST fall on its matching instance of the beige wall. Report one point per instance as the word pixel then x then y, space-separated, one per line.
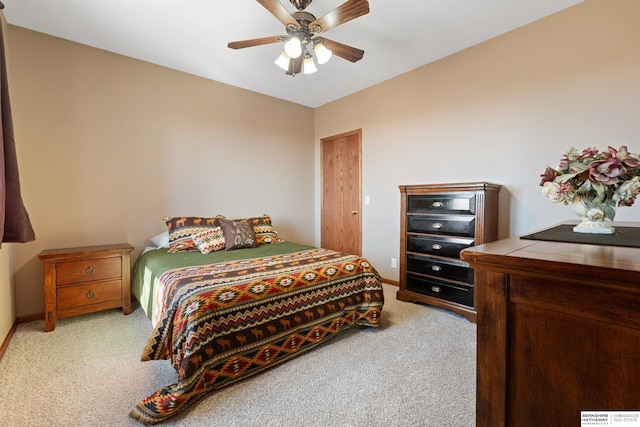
pixel 500 112
pixel 109 145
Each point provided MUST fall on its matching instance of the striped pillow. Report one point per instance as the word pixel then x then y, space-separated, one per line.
pixel 181 230
pixel 210 240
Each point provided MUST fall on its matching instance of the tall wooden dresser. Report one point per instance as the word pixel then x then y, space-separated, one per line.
pixel 438 221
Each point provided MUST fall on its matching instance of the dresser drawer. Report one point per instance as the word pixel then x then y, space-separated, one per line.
pixel 460 294
pixel 435 245
pixel 88 293
pixel 88 270
pixel 462 203
pixel 443 268
pixel 458 225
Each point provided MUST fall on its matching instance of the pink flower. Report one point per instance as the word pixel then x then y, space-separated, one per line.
pixel 623 156
pixel 548 175
pixel 606 172
pixel 565 189
pixel 589 153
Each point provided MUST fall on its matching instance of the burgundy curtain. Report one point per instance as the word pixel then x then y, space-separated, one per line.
pixel 15 225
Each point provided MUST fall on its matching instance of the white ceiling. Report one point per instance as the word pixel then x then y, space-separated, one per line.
pixel 192 35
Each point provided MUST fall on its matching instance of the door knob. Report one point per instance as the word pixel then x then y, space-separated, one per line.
pixel 354 212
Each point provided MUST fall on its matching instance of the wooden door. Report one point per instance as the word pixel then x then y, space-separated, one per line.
pixel 341 224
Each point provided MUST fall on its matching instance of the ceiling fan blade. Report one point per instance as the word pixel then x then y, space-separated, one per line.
pixel 278 10
pixel 342 50
pixel 256 42
pixel 295 66
pixel 346 12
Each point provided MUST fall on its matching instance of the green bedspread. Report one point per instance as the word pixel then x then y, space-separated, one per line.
pixel 153 263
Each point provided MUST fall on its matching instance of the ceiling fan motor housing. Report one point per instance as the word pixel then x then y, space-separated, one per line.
pixel 303 32
pixel 301 4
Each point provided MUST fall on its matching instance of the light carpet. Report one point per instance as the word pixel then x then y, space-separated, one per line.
pixel 417 369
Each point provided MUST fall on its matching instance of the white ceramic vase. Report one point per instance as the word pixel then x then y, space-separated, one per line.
pixel 596 216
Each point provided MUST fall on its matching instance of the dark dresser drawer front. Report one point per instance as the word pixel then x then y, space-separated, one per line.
pixel 434 245
pixel 463 203
pixel 458 225
pixel 435 288
pixel 445 269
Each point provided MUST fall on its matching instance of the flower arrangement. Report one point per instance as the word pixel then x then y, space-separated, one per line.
pixel 599 180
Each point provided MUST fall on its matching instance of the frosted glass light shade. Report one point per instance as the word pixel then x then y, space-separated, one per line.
pixel 283 61
pixel 293 47
pixel 308 66
pixel 322 53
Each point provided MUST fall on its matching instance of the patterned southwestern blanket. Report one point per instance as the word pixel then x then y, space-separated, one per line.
pixel 224 322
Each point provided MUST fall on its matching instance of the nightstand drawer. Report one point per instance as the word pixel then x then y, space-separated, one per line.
pixel 88 293
pixel 88 270
pixel 439 289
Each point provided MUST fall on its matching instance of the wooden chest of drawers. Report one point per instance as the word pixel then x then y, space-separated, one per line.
pixel 84 280
pixel 437 222
pixel 558 331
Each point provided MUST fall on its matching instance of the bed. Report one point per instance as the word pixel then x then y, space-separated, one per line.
pixel 226 315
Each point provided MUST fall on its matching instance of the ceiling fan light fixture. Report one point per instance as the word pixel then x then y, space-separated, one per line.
pixel 308 65
pixel 283 61
pixel 323 55
pixel 293 47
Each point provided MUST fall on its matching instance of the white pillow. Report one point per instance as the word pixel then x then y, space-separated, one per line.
pixel 161 240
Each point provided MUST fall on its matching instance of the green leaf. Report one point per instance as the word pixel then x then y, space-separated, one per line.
pixel 610 212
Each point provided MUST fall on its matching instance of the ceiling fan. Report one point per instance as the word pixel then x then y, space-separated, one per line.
pixel 302 41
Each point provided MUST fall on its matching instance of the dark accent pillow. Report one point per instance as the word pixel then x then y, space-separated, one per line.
pixel 182 229
pixel 238 234
pixel 263 229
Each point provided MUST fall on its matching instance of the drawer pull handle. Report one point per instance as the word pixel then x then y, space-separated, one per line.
pixel 437 225
pixel 91 294
pixel 437 204
pixel 435 288
pixel 436 268
pixel 90 270
pixel 436 247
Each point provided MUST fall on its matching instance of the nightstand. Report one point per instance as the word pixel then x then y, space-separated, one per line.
pixel 84 280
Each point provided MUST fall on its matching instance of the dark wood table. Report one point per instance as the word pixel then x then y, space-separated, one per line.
pixel 558 330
